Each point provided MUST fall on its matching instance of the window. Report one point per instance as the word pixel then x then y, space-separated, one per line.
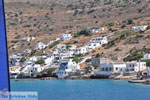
pixel 103 69
pixel 106 69
pixel 121 70
pixel 116 68
pixel 110 69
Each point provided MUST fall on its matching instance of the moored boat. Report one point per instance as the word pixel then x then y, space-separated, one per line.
pixel 137 81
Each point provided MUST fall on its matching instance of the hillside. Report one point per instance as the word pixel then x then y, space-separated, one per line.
pixel 47 19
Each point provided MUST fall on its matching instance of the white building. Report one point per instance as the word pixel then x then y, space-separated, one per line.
pixel 27 51
pixel 40 46
pixel 62 48
pixel 27 39
pixel 139 28
pixel 96 42
pixel 65 37
pixel 135 66
pixel 146 57
pixel 57 39
pixel 67 66
pixel 28 63
pixel 37 69
pixel 148 71
pixel 110 69
pixel 30 69
pixel 67 50
pixel 49 60
pixel 14 60
pixel 96 29
pixel 27 69
pixel 33 59
pixel 81 50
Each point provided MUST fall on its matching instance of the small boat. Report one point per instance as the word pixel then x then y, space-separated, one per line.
pixel 137 81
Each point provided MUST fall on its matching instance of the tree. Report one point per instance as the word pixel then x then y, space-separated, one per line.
pixel 111 24
pixel 88 60
pixel 85 32
pixel 123 26
pixel 39 62
pixel 130 21
pixel 97 55
pixel 148 27
pixel 23 59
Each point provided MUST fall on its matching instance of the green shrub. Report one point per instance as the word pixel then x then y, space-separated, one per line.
pixel 14 41
pixel 23 59
pixel 54 44
pixel 134 57
pixel 85 32
pixel 50 70
pixel 40 62
pixel 148 27
pixel 111 24
pixel 110 44
pixel 130 21
pixel 88 60
pixel 97 55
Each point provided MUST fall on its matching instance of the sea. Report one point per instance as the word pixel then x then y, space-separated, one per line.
pixel 83 89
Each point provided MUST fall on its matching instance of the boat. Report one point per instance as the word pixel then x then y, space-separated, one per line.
pixel 137 81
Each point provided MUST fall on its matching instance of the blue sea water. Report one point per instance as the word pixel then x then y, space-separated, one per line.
pixel 84 89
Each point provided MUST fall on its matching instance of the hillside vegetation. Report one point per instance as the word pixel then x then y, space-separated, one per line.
pixel 47 19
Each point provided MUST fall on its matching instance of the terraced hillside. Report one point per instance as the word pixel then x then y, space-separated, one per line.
pixel 47 19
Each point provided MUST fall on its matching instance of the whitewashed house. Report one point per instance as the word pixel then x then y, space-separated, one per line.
pixel 81 50
pixel 28 63
pixel 27 69
pixel 66 66
pixel 65 37
pixel 27 39
pixel 57 39
pixel 30 69
pixel 50 42
pixel 49 60
pixel 148 71
pixel 135 66
pixel 14 60
pixel 33 59
pixel 40 46
pixel 37 69
pixel 96 42
pixel 27 51
pixel 69 51
pixel 96 29
pixel 60 56
pixel 139 28
pixel 62 48
pixel 146 57
pixel 110 69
